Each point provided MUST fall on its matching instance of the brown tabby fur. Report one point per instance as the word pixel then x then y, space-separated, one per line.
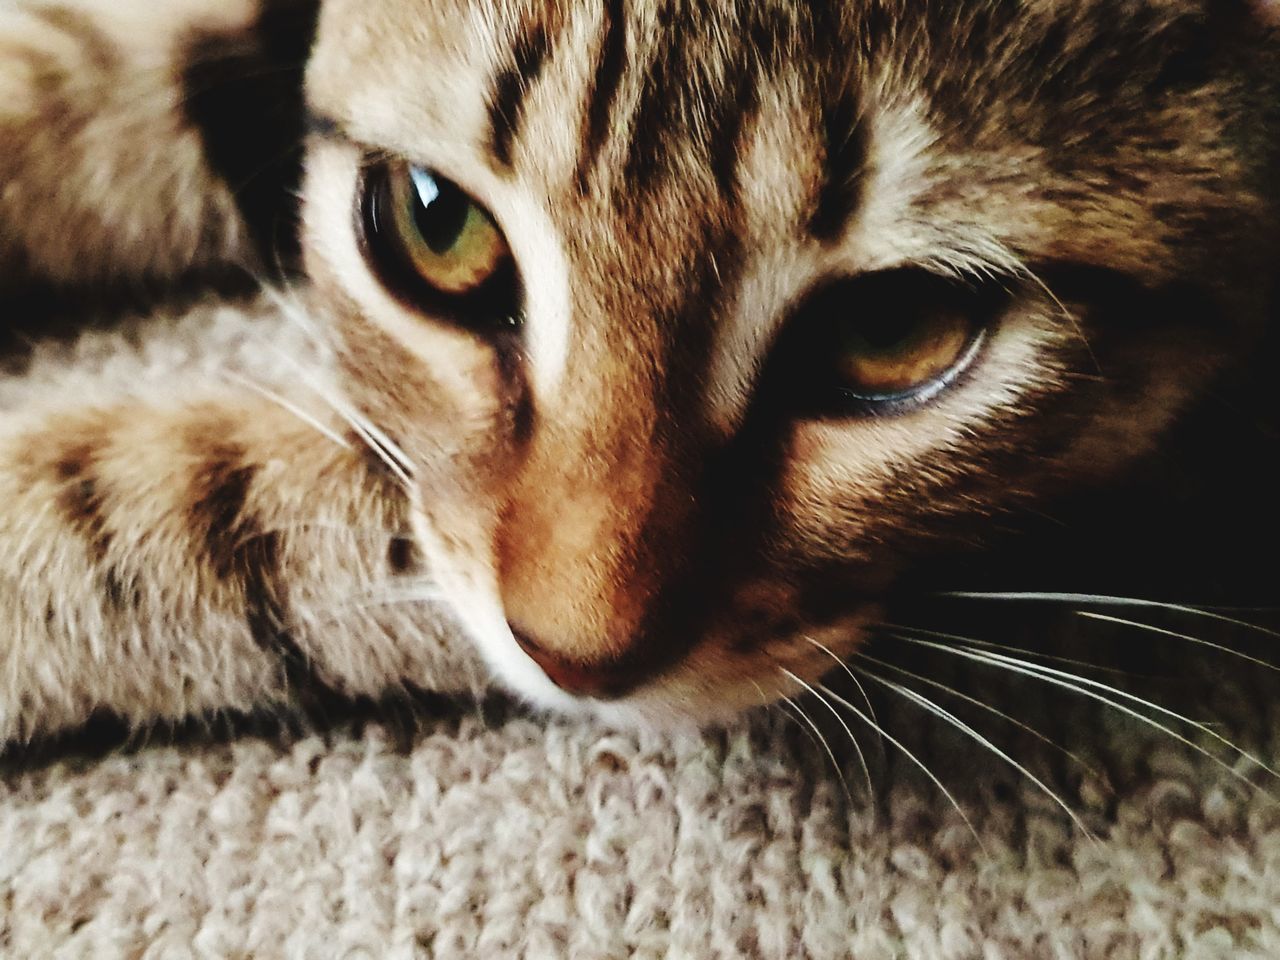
pixel 625 483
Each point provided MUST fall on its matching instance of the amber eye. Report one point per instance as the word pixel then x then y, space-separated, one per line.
pixel 881 343
pixel 436 247
pixel 889 357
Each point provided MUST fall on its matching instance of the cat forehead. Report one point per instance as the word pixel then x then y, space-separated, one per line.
pixel 683 79
pixel 695 52
pixel 1008 116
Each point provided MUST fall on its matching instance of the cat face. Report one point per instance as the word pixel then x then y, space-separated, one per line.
pixel 699 325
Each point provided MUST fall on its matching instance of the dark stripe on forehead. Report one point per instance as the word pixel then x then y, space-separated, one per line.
pixel 510 89
pixel 742 100
pixel 682 101
pixel 603 93
pixel 700 92
pixel 845 146
pixel 653 129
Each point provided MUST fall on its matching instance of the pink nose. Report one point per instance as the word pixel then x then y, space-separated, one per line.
pixel 602 681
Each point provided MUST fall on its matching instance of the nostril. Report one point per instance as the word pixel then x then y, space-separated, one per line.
pixel 603 681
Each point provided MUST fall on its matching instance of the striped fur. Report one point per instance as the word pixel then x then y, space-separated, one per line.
pixel 628 486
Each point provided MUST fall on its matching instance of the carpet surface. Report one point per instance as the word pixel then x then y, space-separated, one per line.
pixel 527 839
pixel 479 831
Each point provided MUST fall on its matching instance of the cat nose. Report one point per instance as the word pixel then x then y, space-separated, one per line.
pixel 601 680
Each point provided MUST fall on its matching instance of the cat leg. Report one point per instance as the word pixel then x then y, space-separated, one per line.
pixel 161 560
pixel 142 143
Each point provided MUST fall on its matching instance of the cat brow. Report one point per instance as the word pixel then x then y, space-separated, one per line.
pixel 325 127
pixel 845 148
pixel 510 89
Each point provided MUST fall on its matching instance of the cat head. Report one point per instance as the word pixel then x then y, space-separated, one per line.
pixel 699 325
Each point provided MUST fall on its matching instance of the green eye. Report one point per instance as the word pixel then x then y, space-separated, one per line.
pixel 448 239
pixel 436 247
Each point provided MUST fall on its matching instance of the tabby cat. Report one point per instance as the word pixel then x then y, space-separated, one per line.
pixel 673 337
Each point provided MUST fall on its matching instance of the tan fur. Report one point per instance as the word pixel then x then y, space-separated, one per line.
pixel 152 625
pixel 89 93
pixel 655 523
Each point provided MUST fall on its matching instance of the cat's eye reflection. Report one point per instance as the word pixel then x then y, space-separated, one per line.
pixel 435 247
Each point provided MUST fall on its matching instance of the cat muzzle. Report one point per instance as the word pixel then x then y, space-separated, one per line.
pixel 599 680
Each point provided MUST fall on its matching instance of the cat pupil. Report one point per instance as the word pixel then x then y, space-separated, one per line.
pixel 441 211
pixel 882 333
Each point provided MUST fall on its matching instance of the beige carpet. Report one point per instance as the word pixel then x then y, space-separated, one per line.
pixel 490 834
pixel 533 840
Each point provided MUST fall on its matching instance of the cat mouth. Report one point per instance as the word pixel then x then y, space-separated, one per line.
pixel 704 681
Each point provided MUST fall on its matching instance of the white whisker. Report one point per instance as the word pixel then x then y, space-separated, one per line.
pixel 1077 599
pixel 382 446
pixel 372 437
pixel 826 745
pixel 952 691
pixel 287 302
pixel 862 760
pixel 942 713
pixel 363 428
pixel 332 613
pixel 765 700
pixel 1082 685
pixel 1025 271
pixel 920 764
pixel 1007 648
pixel 1150 628
pixel 287 405
pixel 852 676
pixel 393 449
pixel 789 709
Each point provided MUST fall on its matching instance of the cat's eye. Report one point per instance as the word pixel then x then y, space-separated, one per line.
pixel 891 356
pixel 884 342
pixel 435 247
